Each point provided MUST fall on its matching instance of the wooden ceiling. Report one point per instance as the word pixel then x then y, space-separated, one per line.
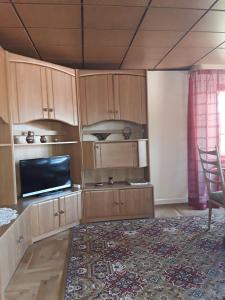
pixel 126 34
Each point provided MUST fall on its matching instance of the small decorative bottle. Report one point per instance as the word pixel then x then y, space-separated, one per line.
pixel 43 139
pixel 110 180
pixel 30 137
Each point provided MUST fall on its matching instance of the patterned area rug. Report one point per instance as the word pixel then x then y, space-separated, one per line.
pixel 158 259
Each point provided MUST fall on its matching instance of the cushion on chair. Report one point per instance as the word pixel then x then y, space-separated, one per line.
pixel 217 196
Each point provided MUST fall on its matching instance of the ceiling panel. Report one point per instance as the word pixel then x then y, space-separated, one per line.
pixel 157 38
pixel 48 1
pixel 202 39
pixel 196 4
pixel 8 18
pixel 143 57
pixel 112 17
pixel 93 38
pixel 216 57
pixel 60 52
pixel 213 21
pixel 53 16
pixel 118 2
pixel 220 5
pixel 103 66
pixel 183 57
pixel 27 51
pixel 170 19
pixel 58 37
pixel 14 36
pixel 112 55
pixel 71 63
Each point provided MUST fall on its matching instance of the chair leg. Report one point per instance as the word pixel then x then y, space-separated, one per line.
pixel 210 216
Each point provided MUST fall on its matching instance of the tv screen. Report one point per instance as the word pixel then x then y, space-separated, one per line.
pixel 44 175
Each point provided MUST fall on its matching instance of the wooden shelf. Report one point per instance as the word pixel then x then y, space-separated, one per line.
pixel 116 141
pixel 116 185
pixel 5 145
pixel 43 144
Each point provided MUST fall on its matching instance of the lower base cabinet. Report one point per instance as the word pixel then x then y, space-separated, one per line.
pixel 13 244
pixel 47 217
pixel 118 204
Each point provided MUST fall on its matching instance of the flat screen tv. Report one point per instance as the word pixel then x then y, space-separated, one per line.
pixel 43 175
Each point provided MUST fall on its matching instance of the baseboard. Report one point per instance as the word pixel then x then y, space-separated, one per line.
pixel 162 201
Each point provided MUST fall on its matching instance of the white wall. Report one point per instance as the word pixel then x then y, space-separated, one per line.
pixel 168 95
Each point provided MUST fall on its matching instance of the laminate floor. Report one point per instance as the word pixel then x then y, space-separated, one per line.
pixel 40 275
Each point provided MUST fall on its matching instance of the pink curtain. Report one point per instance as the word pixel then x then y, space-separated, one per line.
pixel 203 127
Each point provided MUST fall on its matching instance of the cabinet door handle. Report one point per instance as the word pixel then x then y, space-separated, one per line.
pixel 61 212
pixel 56 214
pixel 19 241
pixel 116 111
pixel 45 109
pixel 110 111
pixel 122 203
pixel 116 203
pixel 51 109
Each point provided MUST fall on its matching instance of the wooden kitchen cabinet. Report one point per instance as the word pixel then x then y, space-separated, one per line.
pixel 96 95
pixel 70 209
pixel 62 99
pixel 41 90
pixel 101 205
pixel 48 216
pixel 130 98
pixel 114 154
pixel 113 97
pixel 118 204
pixel 13 244
pixel 136 202
pixel 44 217
pixel 28 92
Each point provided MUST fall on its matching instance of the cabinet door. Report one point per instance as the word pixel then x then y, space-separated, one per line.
pixel 100 205
pixel 23 233
pixel 8 263
pixel 4 112
pixel 70 209
pixel 62 99
pixel 28 92
pixel 44 217
pixel 96 98
pixel 123 154
pixel 136 202
pixel 130 98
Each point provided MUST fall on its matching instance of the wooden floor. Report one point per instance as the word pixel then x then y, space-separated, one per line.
pixel 40 275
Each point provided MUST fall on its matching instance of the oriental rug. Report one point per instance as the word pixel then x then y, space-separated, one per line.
pixel 152 259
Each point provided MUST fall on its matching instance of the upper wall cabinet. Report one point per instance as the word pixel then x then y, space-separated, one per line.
pixel 40 90
pixel 4 114
pixel 96 98
pixel 112 97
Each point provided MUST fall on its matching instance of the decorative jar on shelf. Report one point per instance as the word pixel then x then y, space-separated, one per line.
pixel 30 137
pixel 43 139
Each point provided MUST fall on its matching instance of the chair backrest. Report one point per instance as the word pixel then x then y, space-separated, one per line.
pixel 212 169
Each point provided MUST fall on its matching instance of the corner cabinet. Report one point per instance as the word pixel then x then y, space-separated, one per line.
pixel 112 97
pixel 40 90
pixel 49 216
pixel 118 204
pixel 115 154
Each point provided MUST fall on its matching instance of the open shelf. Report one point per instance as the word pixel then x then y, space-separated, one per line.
pixel 5 145
pixel 42 144
pixel 116 185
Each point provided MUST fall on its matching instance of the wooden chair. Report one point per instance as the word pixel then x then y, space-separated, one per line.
pixel 213 173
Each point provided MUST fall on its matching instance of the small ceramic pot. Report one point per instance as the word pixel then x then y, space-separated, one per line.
pixel 30 137
pixel 43 139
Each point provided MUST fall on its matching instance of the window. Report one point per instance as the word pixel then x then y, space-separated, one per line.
pixel 221 100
